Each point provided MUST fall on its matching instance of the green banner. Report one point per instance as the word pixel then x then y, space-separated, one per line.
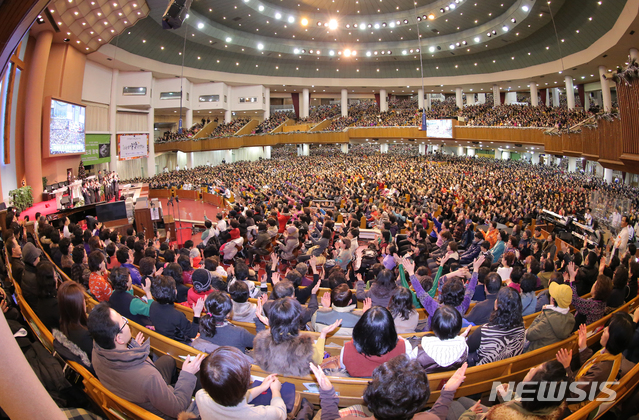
pixel 98 149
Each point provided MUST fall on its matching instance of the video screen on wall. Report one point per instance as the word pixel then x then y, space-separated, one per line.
pixel 442 129
pixel 66 128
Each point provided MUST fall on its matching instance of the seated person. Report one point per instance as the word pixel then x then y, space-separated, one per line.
pixel 166 319
pixel 380 291
pixel 124 367
pixel 555 322
pixel 243 310
pixel 80 272
pixel 125 258
pixel 124 302
pixel 216 329
pixel 47 306
pixel 397 391
pixel 213 265
pixel 446 350
pixel 281 349
pixel 226 376
pixel 337 305
pixel 374 342
pixel 285 288
pixel 592 309
pixel 528 296
pixel 187 269
pixel 174 271
pixel 543 298
pixel 608 364
pixel 202 280
pixel 73 320
pixel 99 284
pixel 503 336
pixel 404 314
pixel 480 314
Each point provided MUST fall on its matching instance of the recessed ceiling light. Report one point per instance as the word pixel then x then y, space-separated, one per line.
pixel 229 39
pixel 332 24
pixel 304 21
pixel 260 8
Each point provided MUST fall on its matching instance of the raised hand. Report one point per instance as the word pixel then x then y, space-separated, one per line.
pixel 322 380
pixel 583 337
pixel 572 270
pixel 330 328
pixel 564 356
pixel 456 380
pixel 192 366
pixel 478 262
pixel 316 288
pixel 259 312
pixel 139 338
pixel 326 300
pixel 368 303
pixel 409 266
pixel 199 306
pixel 275 278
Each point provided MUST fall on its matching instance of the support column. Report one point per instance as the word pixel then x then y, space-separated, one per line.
pixel 33 108
pixel 572 164
pixel 470 99
pixel 150 160
pixel 570 92
pixel 460 150
pixel 605 90
pixel 420 99
pixel 383 100
pixel 458 98
pixel 481 98
pixel 305 106
pixel 628 178
pixel 188 119
pixel 189 160
pixel 497 154
pixel 344 103
pixel 113 165
pixel 344 148
pixel 548 159
pixel 302 150
pixel 267 152
pixel 267 103
pixel 548 97
pixel 505 155
pixel 534 96
pixel 228 116
pixel 587 101
pixel 608 175
pixel 383 148
pixel 470 151
pixel 555 97
pixel 534 158
pixel 422 149
pixel 428 102
pixel 496 99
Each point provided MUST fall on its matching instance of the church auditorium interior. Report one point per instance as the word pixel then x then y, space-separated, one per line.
pixel 319 209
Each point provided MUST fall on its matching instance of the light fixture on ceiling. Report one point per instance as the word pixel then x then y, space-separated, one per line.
pixel 291 19
pixel 504 28
pixel 431 49
pixel 278 15
pixel 200 25
pixel 332 24
pixel 229 39
pixel 331 53
pixel 304 22
pixel 260 8
pixel 477 39
pixel 525 8
pixel 260 46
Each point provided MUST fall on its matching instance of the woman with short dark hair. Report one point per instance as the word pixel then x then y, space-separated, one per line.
pixel 225 375
pixel 592 309
pixel 374 342
pixel 447 349
pixel 380 290
pixel 99 284
pixel 401 308
pixel 503 336
pixel 73 319
pixel 167 320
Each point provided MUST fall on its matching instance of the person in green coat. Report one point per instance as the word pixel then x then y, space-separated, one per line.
pixel 555 322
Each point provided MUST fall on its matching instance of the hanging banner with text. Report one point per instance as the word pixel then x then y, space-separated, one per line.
pixel 133 146
pixel 98 149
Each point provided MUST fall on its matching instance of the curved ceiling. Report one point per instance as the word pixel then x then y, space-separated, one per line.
pixel 269 38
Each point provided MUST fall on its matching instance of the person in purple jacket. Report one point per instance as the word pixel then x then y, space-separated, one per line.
pixel 452 294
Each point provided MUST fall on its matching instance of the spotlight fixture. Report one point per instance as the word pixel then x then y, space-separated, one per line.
pixel 383 24
pixel 513 20
pixel 319 23
pixel 431 49
pixel 431 16
pixel 332 24
pixel 304 21
pixel 405 20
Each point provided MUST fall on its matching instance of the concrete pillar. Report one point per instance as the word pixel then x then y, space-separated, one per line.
pixel 497 154
pixel 422 149
pixel 458 98
pixel 383 100
pixel 150 160
pixel 628 178
pixel 434 148
pixel 470 151
pixel 189 160
pixel 228 116
pixel 460 151
pixel 305 105
pixel 570 92
pixel 267 103
pixel 481 98
pixel 496 99
pixel 555 97
pixel 470 99
pixel 534 96
pixel 634 54
pixel 587 101
pixel 36 71
pixel 534 158
pixel 428 102
pixel 572 164
pixel 188 119
pixel 344 103
pixel 548 97
pixel 267 152
pixel 608 175
pixel 344 148
pixel 605 89
pixel 228 113
pixel 505 155
pixel 420 99
pixel 113 165
pixel 228 156
pixel 383 148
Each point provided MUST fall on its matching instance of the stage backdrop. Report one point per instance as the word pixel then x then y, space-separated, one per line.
pixel 133 146
pixel 98 149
